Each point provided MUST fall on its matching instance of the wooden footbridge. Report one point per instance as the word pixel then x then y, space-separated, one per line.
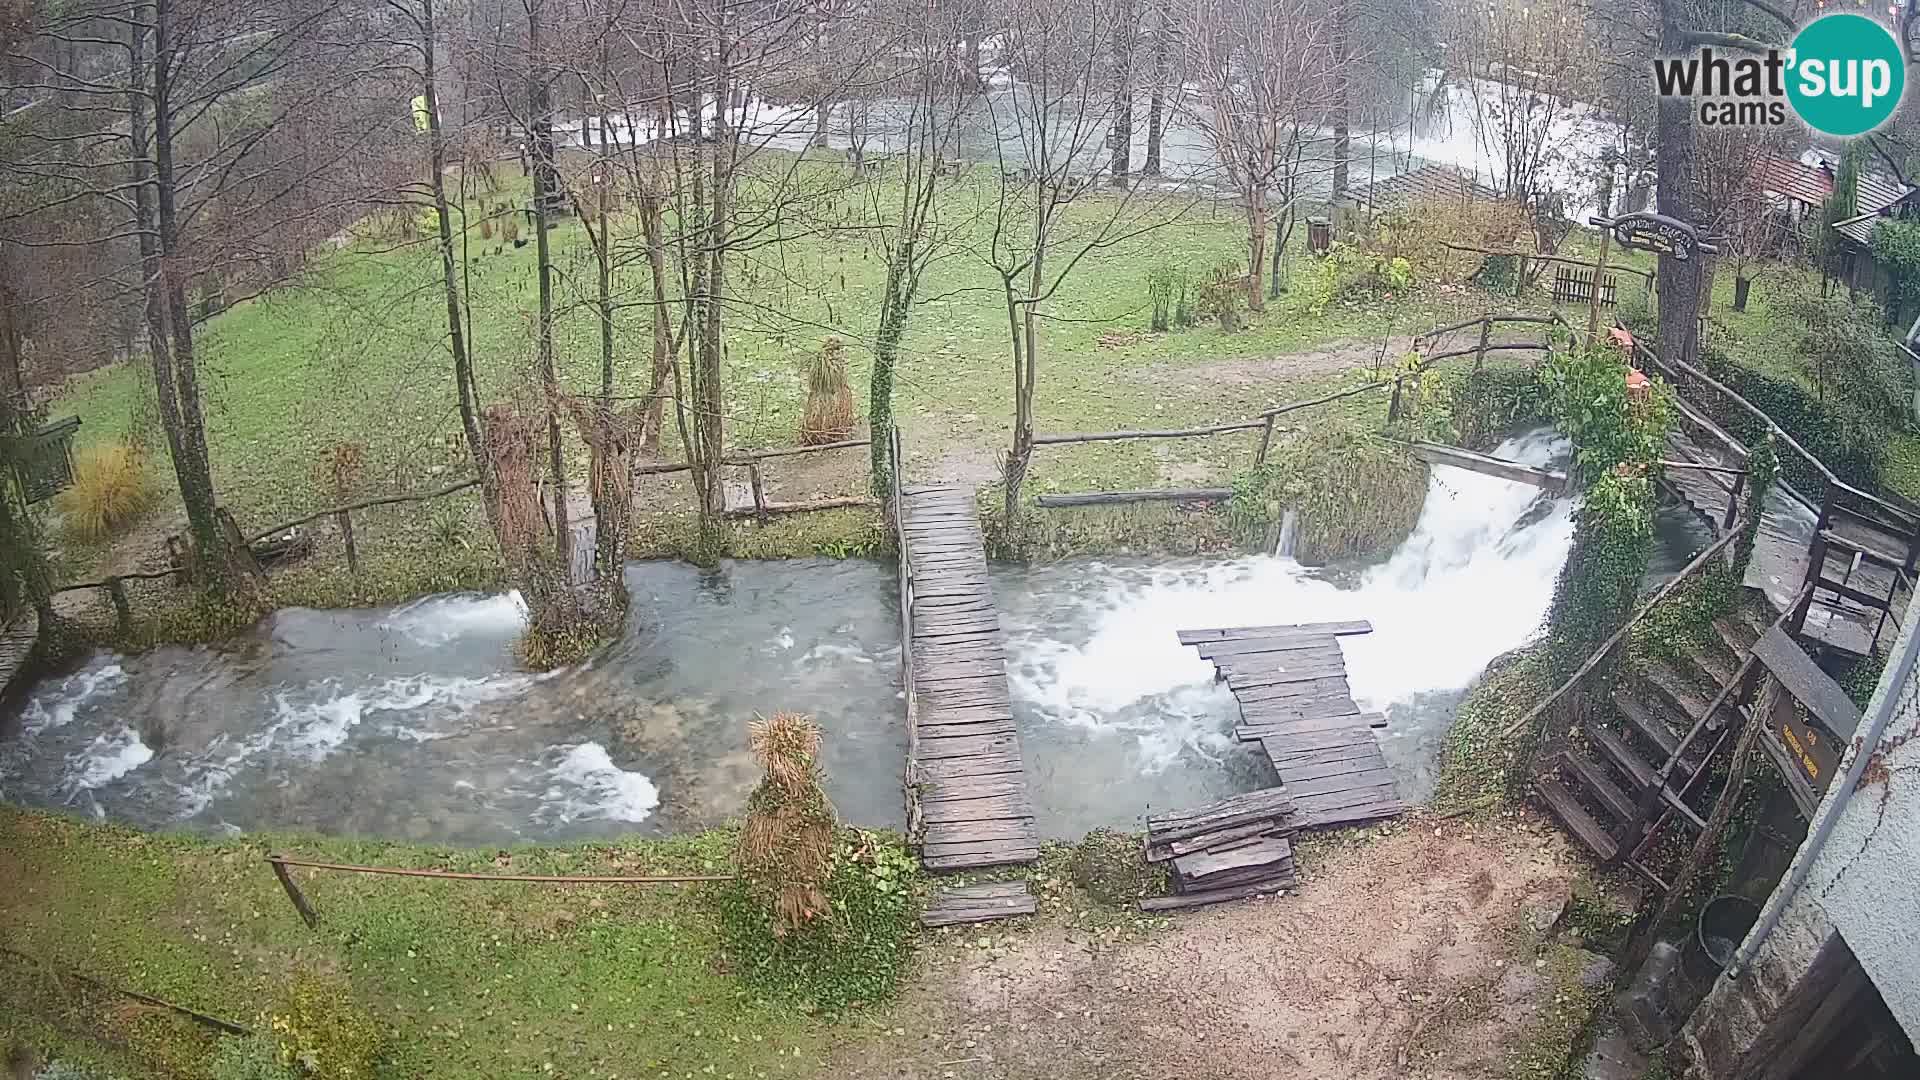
pixel 966 781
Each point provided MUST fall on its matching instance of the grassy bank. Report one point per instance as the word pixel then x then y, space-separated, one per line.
pixel 464 979
pixel 354 353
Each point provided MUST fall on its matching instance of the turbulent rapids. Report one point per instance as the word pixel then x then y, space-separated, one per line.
pixel 412 722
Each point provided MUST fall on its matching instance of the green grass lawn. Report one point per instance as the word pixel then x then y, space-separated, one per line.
pixel 356 353
pixel 466 979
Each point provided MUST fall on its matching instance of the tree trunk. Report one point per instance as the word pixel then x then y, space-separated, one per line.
pixel 1342 95
pixel 610 508
pixel 1282 225
pixel 544 175
pixel 1678 283
pixel 653 225
pixel 1156 101
pixel 1256 245
pixel 218 565
pixel 886 354
pixel 463 381
pixel 1742 285
pixel 1120 134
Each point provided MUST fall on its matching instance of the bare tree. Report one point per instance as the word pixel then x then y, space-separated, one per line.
pixel 1048 216
pixel 936 94
pixel 1267 76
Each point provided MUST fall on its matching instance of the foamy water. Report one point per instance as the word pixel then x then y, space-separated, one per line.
pixel 1474 580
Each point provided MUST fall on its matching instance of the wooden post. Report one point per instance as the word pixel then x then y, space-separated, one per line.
pixel 759 492
pixel 1733 503
pixel 122 611
pixel 1593 295
pixel 1480 354
pixel 344 519
pixel 311 917
pixel 1393 406
pixel 1266 442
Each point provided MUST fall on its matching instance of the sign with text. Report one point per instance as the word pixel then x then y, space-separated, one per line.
pixel 1810 751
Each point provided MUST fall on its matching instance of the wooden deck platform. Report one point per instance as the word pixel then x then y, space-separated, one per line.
pixel 963 754
pixel 1782 549
pixel 1291 683
pixel 959 904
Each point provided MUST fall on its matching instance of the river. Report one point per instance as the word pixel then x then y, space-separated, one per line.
pixel 413 722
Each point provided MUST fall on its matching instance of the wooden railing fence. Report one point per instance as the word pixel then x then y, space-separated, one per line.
pixel 896 462
pixel 1265 421
pixel 114 586
pixel 311 916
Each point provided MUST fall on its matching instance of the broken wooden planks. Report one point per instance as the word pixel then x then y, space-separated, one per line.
pixel 1294 700
pixel 972 805
pixel 978 903
pixel 1220 850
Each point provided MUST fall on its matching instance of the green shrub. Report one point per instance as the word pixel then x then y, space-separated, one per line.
pixel 1585 390
pixel 1500 273
pixel 1356 495
pixel 1485 406
pixel 319 1032
pixel 250 1057
pixel 1109 867
pixel 1349 273
pixel 1166 288
pixel 853 956
pixel 1636 307
pixel 1222 295
pixel 1851 445
pixel 109 492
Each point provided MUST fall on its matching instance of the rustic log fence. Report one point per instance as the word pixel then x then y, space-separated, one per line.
pixel 910 780
pixel 114 586
pixel 311 916
pixel 1265 421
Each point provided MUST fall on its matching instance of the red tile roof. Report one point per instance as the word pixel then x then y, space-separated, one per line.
pixel 1802 183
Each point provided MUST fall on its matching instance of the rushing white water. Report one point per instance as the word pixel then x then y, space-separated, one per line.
pixel 1473 581
pixel 437 620
pixel 587 785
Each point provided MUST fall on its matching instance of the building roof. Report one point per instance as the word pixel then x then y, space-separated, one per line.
pixel 1878 199
pixel 1794 180
pixel 1426 182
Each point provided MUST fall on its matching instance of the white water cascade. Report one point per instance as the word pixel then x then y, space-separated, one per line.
pixel 1474 580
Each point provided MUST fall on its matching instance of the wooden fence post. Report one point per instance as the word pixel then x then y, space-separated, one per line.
pixel 1733 502
pixel 1266 442
pixel 311 917
pixel 122 610
pixel 1480 354
pixel 344 519
pixel 759 492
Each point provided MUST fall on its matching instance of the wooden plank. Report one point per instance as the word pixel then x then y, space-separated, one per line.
pixel 1175 848
pixel 1259 852
pixel 1355 626
pixel 979 903
pixel 978 766
pixel 1320 802
pixel 967 746
pixel 1295 772
pixel 957 789
pixel 984 808
pixel 1305 789
pixel 1287 756
pixel 1279 676
pixel 1269 799
pixel 1216 896
pixel 972 832
pixel 1007 856
pixel 1436 454
pixel 1808 685
pixel 935 668
pixel 1243 647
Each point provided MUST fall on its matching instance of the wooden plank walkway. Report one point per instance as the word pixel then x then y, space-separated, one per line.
pixel 1782 548
pixel 979 903
pixel 963 756
pixel 1291 682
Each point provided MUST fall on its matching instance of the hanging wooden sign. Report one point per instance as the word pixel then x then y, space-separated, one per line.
pixel 1658 233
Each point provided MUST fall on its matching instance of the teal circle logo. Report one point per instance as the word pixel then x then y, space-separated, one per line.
pixel 1846 74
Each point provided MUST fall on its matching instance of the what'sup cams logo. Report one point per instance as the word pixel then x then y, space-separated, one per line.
pixel 1843 76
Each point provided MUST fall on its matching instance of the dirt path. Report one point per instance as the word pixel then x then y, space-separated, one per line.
pixel 1406 957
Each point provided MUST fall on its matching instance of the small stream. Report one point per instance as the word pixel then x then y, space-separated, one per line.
pixel 412 722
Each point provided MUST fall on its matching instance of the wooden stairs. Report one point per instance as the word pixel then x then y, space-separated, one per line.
pixel 1607 793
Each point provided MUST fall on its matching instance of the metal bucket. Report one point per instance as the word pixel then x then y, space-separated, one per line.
pixel 1722 926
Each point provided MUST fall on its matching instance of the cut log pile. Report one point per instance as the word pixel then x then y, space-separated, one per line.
pixel 1233 849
